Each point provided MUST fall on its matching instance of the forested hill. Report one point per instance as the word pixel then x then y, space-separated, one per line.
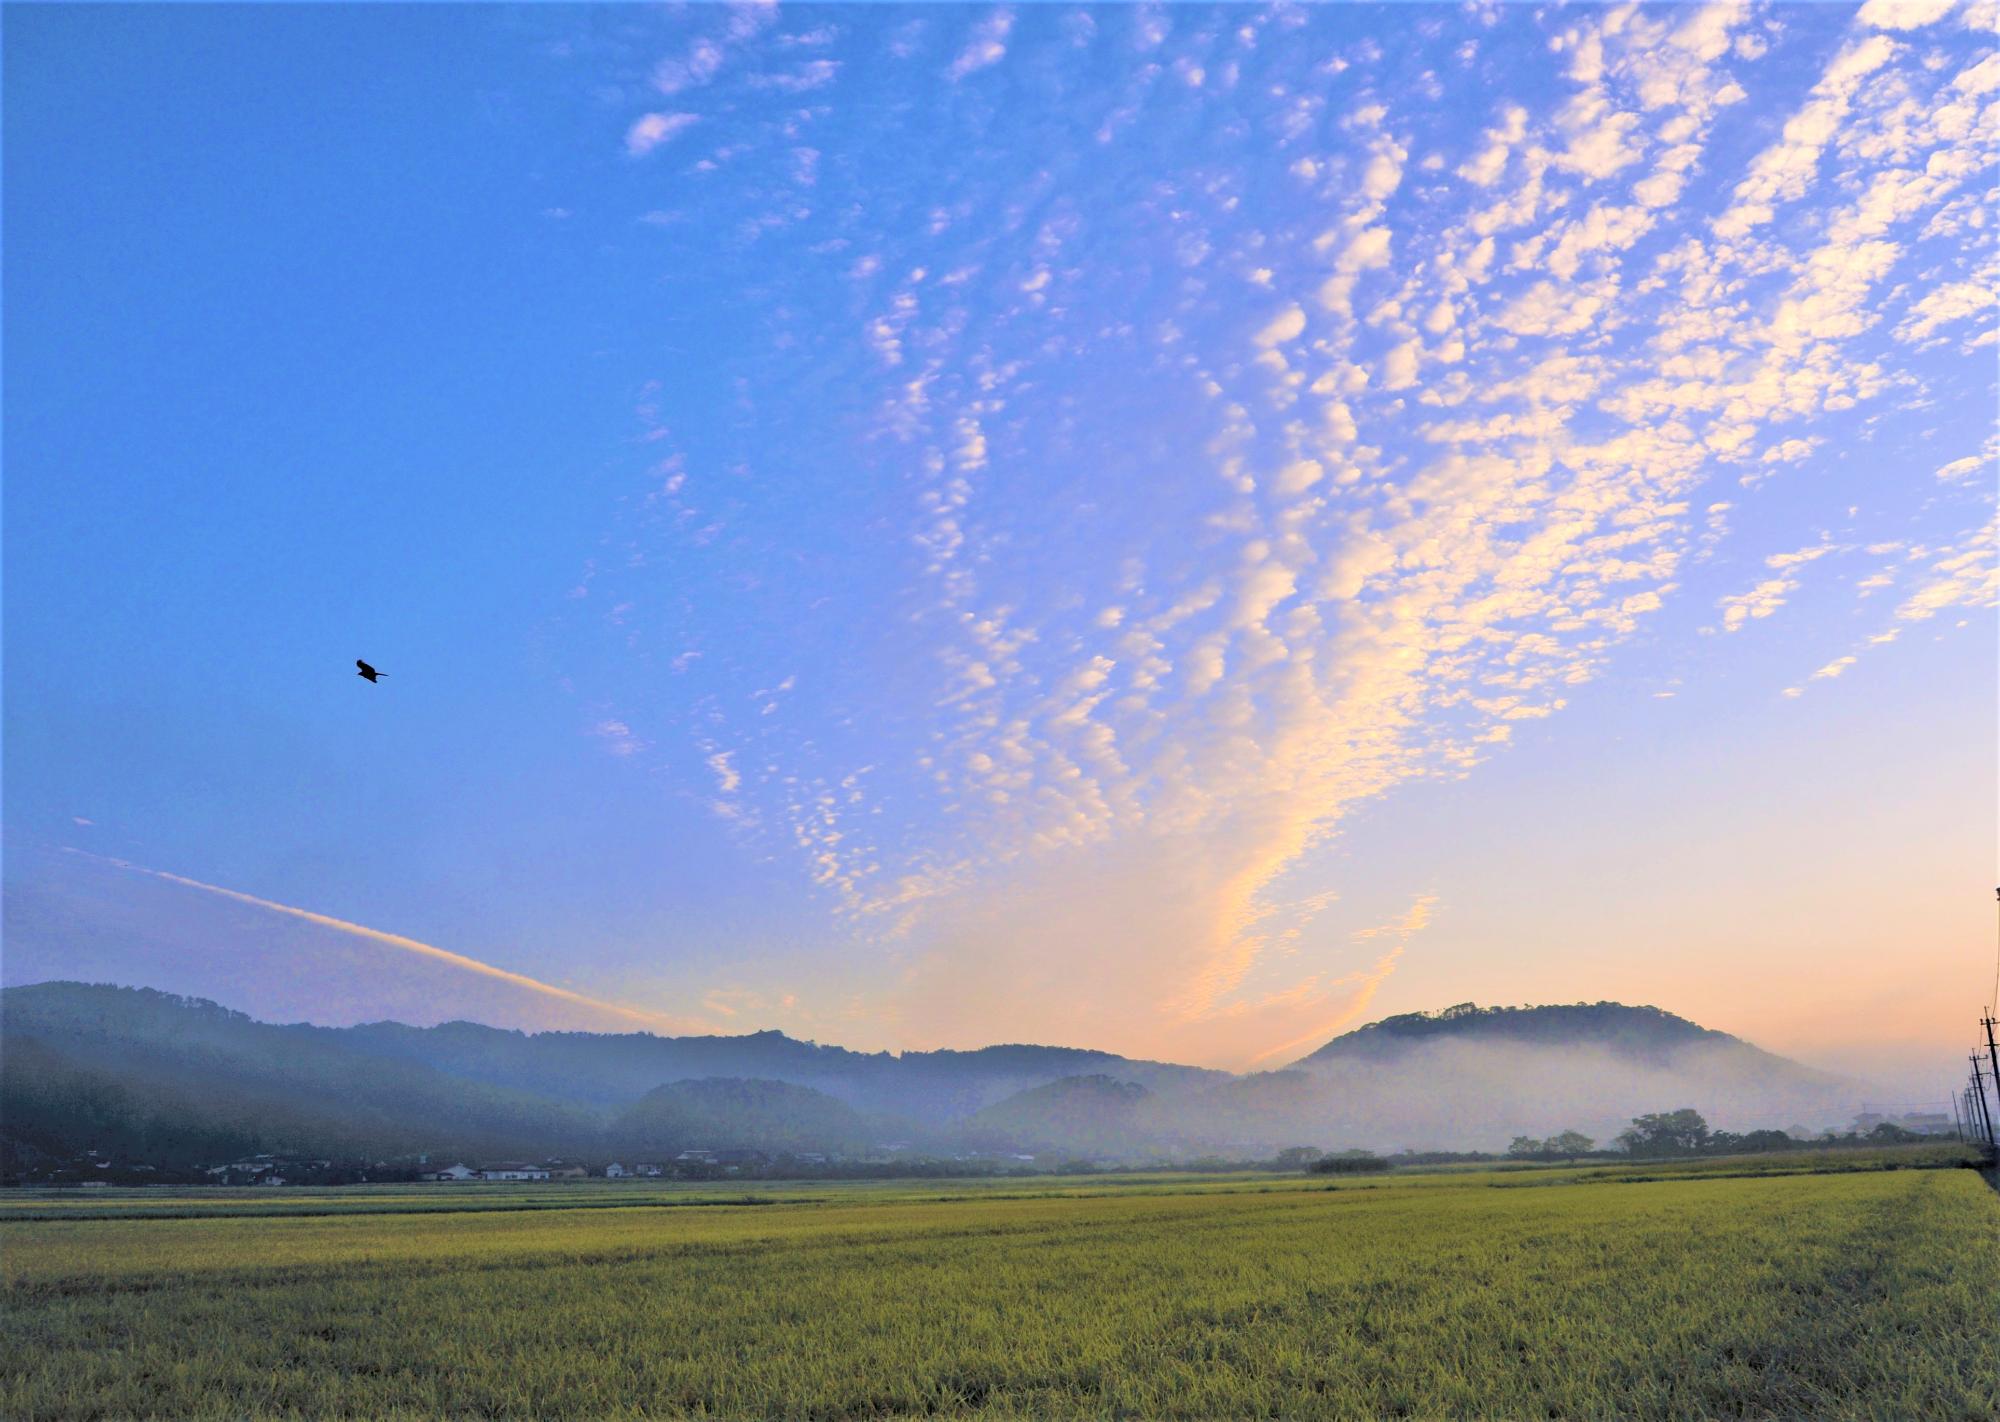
pixel 1643 1034
pixel 549 1077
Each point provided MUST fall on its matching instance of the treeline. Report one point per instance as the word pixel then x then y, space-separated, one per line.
pixel 1685 1132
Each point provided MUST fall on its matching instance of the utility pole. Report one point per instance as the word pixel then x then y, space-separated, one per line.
pixel 1992 1052
pixel 1957 1121
pixel 1979 1094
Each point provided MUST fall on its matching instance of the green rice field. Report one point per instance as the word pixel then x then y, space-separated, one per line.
pixel 1841 1286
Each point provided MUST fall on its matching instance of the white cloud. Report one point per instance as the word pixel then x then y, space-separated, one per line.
pixel 1784 170
pixel 1285 326
pixel 1399 367
pixel 1962 575
pixel 1485 167
pixel 813 74
pixel 1981 78
pixel 1954 301
pixel 1903 14
pixel 986 47
pixel 1801 556
pixel 1760 601
pixel 1384 173
pixel 1790 451
pixel 1658 190
pixel 1552 309
pixel 1298 476
pixel 700 64
pixel 1602 140
pixel 1603 228
pixel 651 130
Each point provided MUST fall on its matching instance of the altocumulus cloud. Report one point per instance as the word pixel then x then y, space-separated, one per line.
pixel 1272 414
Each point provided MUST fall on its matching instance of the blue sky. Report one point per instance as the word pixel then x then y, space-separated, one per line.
pixel 1171 529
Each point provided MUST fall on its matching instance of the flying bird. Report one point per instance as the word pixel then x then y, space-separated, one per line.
pixel 366 670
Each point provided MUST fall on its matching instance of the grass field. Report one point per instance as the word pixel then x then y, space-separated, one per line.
pixel 1773 1288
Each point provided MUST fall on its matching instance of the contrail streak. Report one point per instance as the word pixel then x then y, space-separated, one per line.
pixel 657 1020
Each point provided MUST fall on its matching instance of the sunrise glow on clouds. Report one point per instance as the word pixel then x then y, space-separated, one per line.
pixel 1081 458
pixel 1245 413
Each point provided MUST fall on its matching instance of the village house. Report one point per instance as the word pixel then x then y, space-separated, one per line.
pixel 451 1174
pixel 615 1171
pixel 514 1170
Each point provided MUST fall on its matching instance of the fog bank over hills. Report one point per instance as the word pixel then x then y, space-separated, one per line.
pixel 1426 1078
pixel 181 1078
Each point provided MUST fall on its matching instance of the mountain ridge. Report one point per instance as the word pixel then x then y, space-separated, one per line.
pixel 139 1065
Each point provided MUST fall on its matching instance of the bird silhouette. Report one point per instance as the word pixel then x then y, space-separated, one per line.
pixel 366 670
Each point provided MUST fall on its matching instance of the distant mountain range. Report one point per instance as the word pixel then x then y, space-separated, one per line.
pixel 150 1075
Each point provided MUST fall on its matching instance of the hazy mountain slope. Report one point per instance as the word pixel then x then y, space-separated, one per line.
pixel 52 1106
pixel 90 1067
pixel 1079 1115
pixel 1249 1115
pixel 730 1113
pixel 616 1069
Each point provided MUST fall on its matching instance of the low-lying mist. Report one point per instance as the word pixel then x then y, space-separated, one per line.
pixel 1475 1096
